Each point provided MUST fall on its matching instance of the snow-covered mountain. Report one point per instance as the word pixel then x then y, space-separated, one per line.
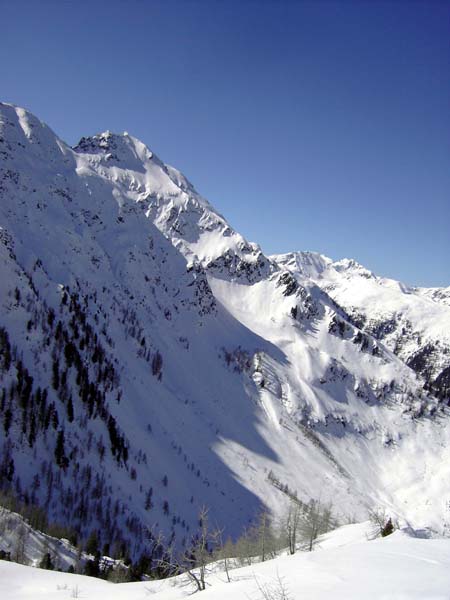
pixel 414 323
pixel 153 361
pixel 22 543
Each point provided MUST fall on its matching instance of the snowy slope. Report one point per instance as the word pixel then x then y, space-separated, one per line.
pixel 412 322
pixel 28 545
pixel 346 566
pixel 153 361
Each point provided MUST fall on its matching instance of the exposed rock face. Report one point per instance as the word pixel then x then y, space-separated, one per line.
pixel 414 323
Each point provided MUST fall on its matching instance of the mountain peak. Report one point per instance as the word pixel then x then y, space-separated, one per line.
pixel 309 264
pixel 121 148
pixel 22 132
pixel 352 266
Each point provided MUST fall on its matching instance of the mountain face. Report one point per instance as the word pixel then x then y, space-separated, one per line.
pixel 414 323
pixel 153 361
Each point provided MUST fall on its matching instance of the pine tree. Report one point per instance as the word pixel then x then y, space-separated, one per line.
pixel 92 543
pixel 388 528
pixel 60 453
pixel 70 409
pixel 55 375
pixel 7 420
pixel 46 562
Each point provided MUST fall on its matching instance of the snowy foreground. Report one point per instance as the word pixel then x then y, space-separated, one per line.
pixel 345 565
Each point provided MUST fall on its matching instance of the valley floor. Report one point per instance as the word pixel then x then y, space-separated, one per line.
pixel 345 565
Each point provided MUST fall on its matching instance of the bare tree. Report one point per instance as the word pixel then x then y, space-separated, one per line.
pixel 225 553
pixel 245 548
pixel 290 525
pixel 276 590
pixel 21 542
pixel 316 519
pixel 258 542
pixel 265 538
pixel 198 556
pixel 195 561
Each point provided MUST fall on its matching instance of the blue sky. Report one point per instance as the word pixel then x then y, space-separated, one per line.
pixel 309 125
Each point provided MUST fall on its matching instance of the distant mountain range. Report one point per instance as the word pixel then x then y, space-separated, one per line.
pixel 153 361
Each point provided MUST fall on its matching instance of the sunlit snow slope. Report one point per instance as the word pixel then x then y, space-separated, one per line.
pixel 345 565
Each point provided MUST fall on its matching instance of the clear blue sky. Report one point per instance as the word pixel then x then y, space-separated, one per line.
pixel 310 125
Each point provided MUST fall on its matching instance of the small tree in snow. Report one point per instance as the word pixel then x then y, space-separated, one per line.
pixel 19 555
pixel 388 528
pixel 194 562
pixel 198 556
pixel 224 553
pixel 46 562
pixel 382 524
pixel 275 590
pixel 290 525
pixel 317 519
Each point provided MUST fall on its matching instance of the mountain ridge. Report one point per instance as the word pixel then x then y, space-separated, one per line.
pixel 413 322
